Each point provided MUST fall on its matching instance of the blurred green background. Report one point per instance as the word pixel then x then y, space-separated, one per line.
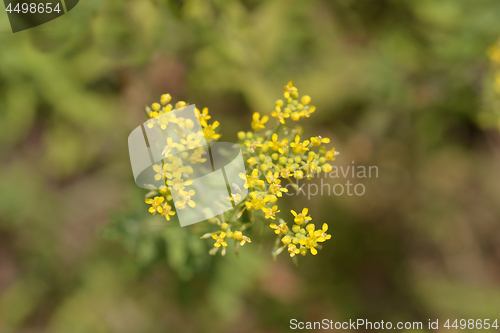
pixel 404 85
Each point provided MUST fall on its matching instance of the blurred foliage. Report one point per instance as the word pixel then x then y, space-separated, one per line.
pixel 405 85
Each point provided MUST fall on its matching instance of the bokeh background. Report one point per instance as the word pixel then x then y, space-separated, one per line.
pixel 400 84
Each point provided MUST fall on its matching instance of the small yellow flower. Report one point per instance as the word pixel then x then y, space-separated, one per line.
pixel 161 172
pixel 252 180
pixel 185 198
pixel 273 177
pixel 258 201
pixel 169 147
pixel 174 168
pixel 274 144
pixel 178 184
pixel 281 116
pixel 276 189
pixel 163 120
pixel 271 198
pixel 155 205
pixel 257 123
pixel 220 240
pixel 253 145
pixel 197 156
pixel 282 228
pixel 164 190
pixel 330 155
pixel 302 217
pixel 192 141
pixel 290 91
pixel 310 229
pixel 271 212
pixel 251 161
pixel 321 234
pixel 293 250
pixel 299 147
pixel 281 146
pixel 284 147
pixel 255 180
pixel 286 172
pixel 306 113
pixel 203 116
pixel 209 131
pixel 238 235
pixel 167 211
pixel 245 178
pixel 318 140
pixel 309 242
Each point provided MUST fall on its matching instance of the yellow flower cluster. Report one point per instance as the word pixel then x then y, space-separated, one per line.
pixel 294 108
pixel 300 239
pixel 273 155
pixel 224 234
pixel 278 154
pixel 179 155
